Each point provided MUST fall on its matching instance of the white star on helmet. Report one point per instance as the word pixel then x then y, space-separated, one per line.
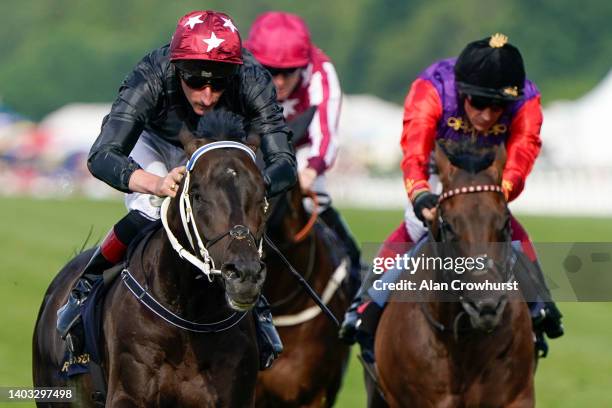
pixel 228 23
pixel 213 42
pixel 193 21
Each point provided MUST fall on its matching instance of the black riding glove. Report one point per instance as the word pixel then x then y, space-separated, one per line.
pixel 280 173
pixel 424 200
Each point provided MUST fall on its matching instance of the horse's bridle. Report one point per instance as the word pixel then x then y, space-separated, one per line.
pixel 481 188
pixel 445 230
pixel 238 232
pixel 206 264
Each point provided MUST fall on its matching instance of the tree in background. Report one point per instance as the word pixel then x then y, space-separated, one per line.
pixel 60 51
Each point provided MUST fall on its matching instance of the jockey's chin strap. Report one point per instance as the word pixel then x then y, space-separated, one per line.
pixel 206 264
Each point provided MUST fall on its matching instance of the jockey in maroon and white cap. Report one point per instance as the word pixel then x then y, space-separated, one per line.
pixel 280 40
pixel 304 76
pixel 206 36
pixel 138 151
pixel 306 84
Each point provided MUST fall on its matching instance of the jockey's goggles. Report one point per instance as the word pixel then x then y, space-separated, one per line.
pixel 482 102
pixel 281 71
pixel 217 83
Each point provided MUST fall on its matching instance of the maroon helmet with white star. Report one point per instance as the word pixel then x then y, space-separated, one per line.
pixel 280 40
pixel 206 35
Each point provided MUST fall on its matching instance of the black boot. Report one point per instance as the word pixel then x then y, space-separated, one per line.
pixel 534 288
pixel 115 244
pixel 360 322
pixel 351 322
pixel 551 321
pixel 270 344
pixel 334 220
pixel 69 314
pixel 361 318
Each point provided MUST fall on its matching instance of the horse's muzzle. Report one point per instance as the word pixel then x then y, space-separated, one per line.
pixel 243 283
pixel 485 314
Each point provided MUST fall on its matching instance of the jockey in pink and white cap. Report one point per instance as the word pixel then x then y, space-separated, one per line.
pixel 306 83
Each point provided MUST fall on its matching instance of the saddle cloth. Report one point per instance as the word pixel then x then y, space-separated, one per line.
pixel 91 315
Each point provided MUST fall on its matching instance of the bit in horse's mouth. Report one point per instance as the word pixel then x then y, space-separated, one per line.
pixel 239 306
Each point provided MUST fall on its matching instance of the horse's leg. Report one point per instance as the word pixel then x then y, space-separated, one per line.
pixel 116 396
pixel 413 370
pixel 121 360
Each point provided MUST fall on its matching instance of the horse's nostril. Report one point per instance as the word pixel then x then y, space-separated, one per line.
pixel 244 270
pixel 231 271
pixel 488 307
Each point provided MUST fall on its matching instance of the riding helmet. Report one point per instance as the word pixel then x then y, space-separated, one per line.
pixel 491 68
pixel 208 36
pixel 280 40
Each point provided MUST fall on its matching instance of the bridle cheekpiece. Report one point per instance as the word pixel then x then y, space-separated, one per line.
pixel 206 264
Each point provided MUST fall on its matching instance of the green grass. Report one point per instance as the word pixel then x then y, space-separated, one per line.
pixel 39 236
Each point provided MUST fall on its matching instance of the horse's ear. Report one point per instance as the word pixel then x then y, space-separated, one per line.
pixel 497 167
pixel 446 170
pixel 188 140
pixel 253 140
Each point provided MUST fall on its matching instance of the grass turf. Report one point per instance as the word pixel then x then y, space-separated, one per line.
pixel 39 236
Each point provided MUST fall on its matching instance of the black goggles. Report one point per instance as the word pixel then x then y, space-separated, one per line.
pixel 482 102
pixel 217 83
pixel 281 71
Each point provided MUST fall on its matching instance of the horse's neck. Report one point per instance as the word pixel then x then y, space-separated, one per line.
pixel 288 223
pixel 299 254
pixel 295 217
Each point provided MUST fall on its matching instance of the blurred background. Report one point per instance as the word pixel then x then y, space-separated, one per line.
pixel 63 61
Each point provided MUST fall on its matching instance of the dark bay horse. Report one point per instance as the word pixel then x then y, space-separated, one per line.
pixel 476 350
pixel 219 215
pixel 309 371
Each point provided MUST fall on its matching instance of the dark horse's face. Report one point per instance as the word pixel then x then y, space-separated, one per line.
pixel 228 200
pixel 477 225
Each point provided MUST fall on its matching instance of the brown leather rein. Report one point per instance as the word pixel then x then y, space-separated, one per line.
pixel 303 233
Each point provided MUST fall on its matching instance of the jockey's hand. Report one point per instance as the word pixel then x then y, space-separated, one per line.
pixel 425 206
pixel 307 178
pixel 168 186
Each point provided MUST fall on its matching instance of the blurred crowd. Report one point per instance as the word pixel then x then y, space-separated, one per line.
pixel 36 160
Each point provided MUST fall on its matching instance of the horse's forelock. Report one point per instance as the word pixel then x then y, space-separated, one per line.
pixel 468 156
pixel 221 125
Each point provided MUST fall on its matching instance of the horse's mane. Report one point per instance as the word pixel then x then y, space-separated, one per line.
pixel 221 125
pixel 467 155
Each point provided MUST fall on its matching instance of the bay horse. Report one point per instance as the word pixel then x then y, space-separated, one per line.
pixel 309 372
pixel 203 353
pixel 427 354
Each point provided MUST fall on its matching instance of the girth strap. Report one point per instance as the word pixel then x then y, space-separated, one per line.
pixel 152 304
